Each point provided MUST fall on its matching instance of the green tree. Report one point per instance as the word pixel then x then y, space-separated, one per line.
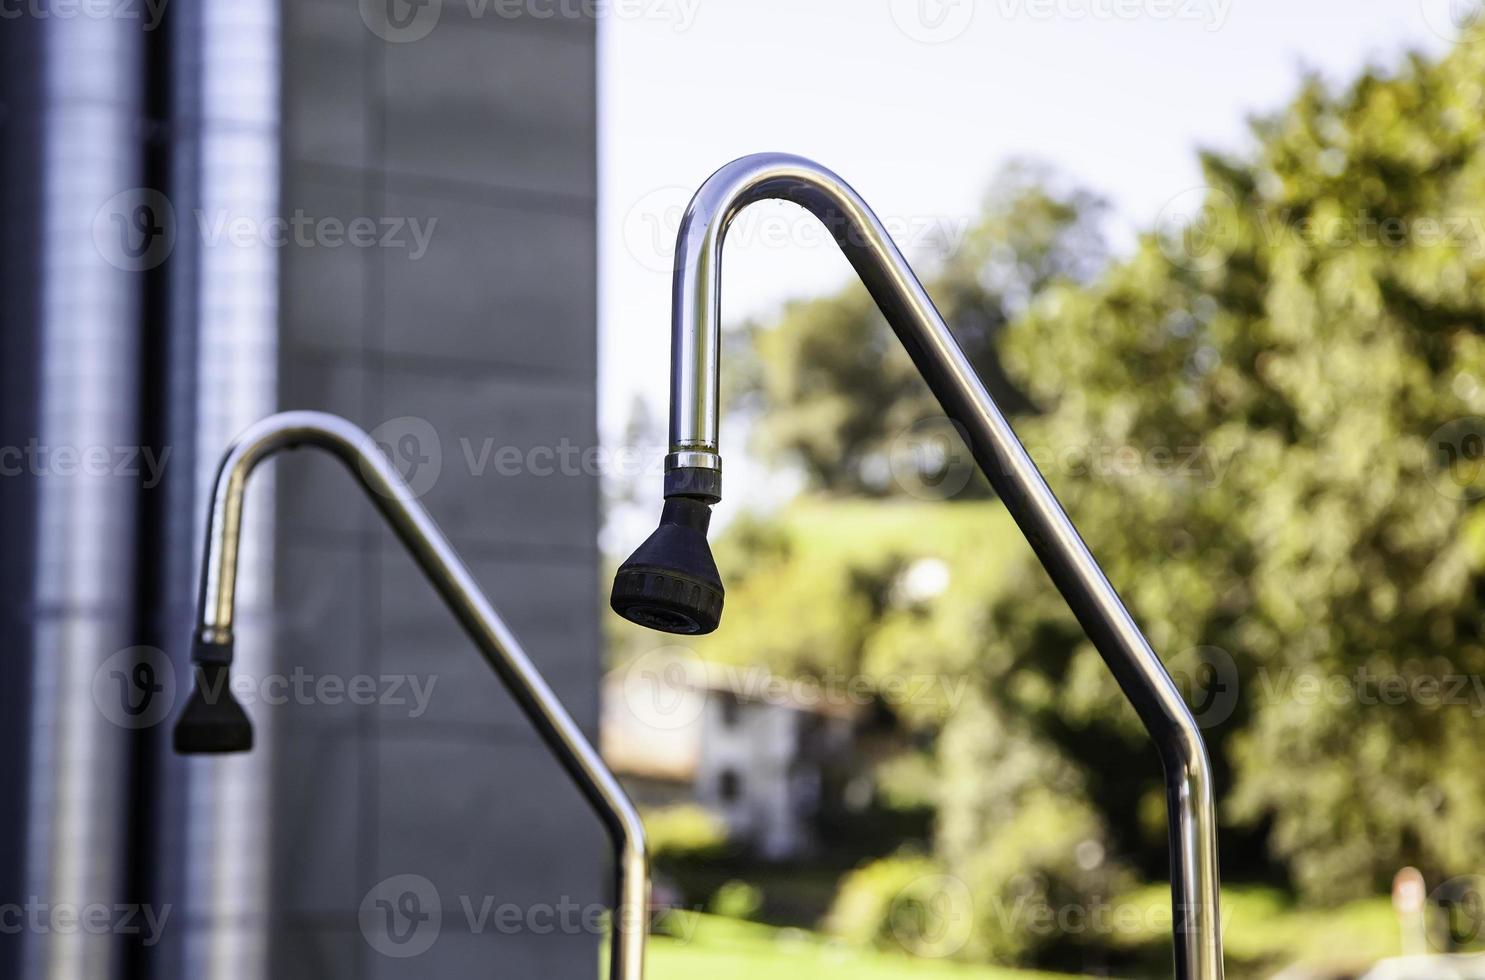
pixel 1313 332
pixel 835 387
pixel 1267 422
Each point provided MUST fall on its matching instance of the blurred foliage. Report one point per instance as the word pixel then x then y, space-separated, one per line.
pixel 1309 356
pixel 816 591
pixel 871 897
pixel 1017 826
pixel 908 903
pixel 684 831
pixel 1264 928
pixel 1264 421
pixel 823 591
pixel 839 389
pixel 907 781
pixel 790 894
pixel 737 900
pixel 1264 931
pixel 885 904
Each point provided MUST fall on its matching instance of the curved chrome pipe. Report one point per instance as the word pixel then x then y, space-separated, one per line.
pixel 694 461
pixel 453 581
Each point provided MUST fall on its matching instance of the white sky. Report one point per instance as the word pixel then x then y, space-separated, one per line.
pixel 1117 94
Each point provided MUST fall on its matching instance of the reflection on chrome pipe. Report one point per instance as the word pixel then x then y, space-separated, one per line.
pixel 671 583
pixel 213 722
pixel 81 100
pixel 226 145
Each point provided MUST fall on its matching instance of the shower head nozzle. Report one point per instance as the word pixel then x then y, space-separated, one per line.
pixel 213 721
pixel 671 583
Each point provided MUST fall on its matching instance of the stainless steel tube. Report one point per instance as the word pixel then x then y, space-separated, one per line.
pixel 453 581
pixel 921 329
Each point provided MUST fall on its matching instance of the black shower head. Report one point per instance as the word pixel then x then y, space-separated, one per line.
pixel 671 583
pixel 213 721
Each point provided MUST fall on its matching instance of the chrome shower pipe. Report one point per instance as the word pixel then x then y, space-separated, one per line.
pixel 459 590
pixel 693 468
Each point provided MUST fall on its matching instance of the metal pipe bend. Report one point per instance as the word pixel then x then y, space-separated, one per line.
pixel 460 591
pixel 694 424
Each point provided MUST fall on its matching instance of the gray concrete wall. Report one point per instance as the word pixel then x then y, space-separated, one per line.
pixel 488 340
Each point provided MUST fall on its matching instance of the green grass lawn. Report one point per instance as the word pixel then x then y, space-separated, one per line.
pixel 1263 932
pixel 725 949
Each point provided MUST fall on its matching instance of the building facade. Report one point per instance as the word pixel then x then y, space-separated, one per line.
pixel 219 210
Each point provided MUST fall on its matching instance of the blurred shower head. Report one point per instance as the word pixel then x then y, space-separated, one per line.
pixel 213 722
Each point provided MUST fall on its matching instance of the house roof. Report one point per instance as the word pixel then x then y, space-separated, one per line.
pixel 652 709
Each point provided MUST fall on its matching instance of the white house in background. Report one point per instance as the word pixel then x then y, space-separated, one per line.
pixel 740 743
